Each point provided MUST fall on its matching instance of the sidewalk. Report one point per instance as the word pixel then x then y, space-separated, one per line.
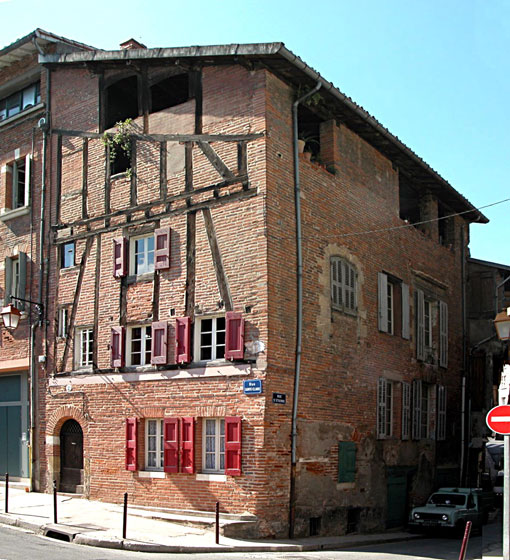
pixel 100 524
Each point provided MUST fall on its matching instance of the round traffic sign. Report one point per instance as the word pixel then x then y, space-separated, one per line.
pixel 498 419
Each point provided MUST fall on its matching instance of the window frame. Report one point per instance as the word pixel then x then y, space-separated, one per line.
pixel 214 332
pixel 80 362
pixel 428 338
pixel 145 336
pixel 159 445
pixel 406 410
pixel 390 307
pixel 385 390
pixel 63 321
pixel 347 289
pixel 64 252
pixel 20 95
pixel 133 264
pixel 218 452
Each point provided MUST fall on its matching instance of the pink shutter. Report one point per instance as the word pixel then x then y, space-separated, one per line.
pixel 171 444
pixel 131 444
pixel 117 347
pixel 233 446
pixel 159 343
pixel 120 245
pixel 162 248
pixel 183 340
pixel 188 445
pixel 234 336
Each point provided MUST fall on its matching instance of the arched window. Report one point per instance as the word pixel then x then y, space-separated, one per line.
pixel 343 285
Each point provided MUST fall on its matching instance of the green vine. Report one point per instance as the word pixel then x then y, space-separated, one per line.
pixel 119 141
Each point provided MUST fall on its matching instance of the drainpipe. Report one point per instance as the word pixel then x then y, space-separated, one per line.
pixel 464 360
pixel 299 307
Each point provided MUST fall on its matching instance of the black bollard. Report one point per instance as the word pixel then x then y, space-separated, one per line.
pixel 55 502
pixel 6 492
pixel 124 522
pixel 217 522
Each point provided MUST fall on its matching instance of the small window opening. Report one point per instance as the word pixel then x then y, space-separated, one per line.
pixel 445 226
pixel 309 125
pixel 121 162
pixel 121 101
pixel 353 516
pixel 409 201
pixel 169 92
pixel 315 526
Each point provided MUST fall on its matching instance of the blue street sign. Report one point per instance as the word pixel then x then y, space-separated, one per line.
pixel 252 386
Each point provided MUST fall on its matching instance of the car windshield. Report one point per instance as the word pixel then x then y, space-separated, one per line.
pixel 448 499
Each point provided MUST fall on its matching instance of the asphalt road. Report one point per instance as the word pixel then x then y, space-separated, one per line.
pixel 17 544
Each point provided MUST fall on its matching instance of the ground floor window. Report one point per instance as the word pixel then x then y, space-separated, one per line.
pixel 154 445
pixel 214 444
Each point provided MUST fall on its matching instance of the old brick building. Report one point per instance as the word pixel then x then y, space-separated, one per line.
pixel 190 266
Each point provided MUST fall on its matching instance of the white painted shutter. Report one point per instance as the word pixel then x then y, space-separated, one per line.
pixel 381 407
pixel 443 334
pixel 417 388
pixel 420 325
pixel 28 175
pixel 406 409
pixel 441 412
pixel 382 290
pixel 406 331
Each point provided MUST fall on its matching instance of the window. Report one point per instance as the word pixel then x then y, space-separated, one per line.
pixel 84 347
pixel 384 408
pixel 214 444
pixel 346 461
pixel 424 316
pixel 406 410
pixel 67 255
pixel 343 285
pixel 427 322
pixel 389 307
pixel 139 344
pixel 15 279
pixel 121 101
pixel 393 305
pixel 441 412
pixel 210 341
pixel 154 445
pixel 63 321
pixel 142 254
pixel 16 188
pixel 421 409
pixel 20 101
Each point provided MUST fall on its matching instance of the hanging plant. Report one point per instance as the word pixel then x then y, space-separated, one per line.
pixel 119 142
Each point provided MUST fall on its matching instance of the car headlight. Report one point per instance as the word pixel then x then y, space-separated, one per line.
pixel 417 516
pixel 444 517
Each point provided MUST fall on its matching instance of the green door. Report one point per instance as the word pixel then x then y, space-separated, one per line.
pixel 396 505
pixel 13 408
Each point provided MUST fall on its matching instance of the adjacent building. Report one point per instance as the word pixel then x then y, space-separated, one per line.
pixel 227 319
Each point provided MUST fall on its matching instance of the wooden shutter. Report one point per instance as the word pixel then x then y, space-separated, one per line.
pixel 28 174
pixel 417 389
pixel 8 281
pixel 183 340
pixel 162 248
pixel 420 325
pixel 131 444
pixel 406 409
pixel 117 347
pixel 346 461
pixel 382 290
pixel 381 408
pixel 441 412
pixel 234 336
pixel 443 334
pixel 350 287
pixel 159 343
pixel 233 446
pixel 22 281
pixel 188 445
pixel 406 331
pixel 171 445
pixel 120 260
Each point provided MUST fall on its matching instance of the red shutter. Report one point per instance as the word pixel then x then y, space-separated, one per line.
pixel 120 260
pixel 234 336
pixel 171 444
pixel 188 445
pixel 183 340
pixel 131 444
pixel 117 347
pixel 233 446
pixel 159 343
pixel 162 248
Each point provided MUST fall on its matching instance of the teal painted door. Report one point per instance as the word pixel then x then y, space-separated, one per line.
pixel 12 409
pixel 396 512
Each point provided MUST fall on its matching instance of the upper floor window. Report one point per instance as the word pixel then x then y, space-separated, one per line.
pixel 343 285
pixel 139 344
pixel 427 331
pixel 393 305
pixel 67 255
pixel 210 341
pixel 20 101
pixel 384 408
pixel 142 254
pixel 84 341
pixel 15 279
pixel 15 187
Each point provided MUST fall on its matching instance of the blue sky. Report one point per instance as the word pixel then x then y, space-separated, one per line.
pixel 436 73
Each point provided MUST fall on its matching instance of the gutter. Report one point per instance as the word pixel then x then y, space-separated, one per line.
pixel 299 308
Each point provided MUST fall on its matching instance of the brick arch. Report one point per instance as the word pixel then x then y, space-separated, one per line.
pixel 63 413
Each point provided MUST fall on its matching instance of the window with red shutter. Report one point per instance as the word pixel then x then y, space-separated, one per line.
pixel 171 445
pixel 131 444
pixel 233 446
pixel 162 248
pixel 183 340
pixel 159 342
pixel 120 246
pixel 188 445
pixel 117 345
pixel 234 336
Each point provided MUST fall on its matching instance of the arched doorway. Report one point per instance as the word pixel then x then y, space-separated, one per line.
pixel 71 457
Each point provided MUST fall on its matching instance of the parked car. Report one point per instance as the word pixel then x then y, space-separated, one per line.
pixel 451 508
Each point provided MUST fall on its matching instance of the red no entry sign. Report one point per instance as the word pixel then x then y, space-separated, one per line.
pixel 498 419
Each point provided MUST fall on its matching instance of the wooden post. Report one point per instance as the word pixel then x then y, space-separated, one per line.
pixel 217 522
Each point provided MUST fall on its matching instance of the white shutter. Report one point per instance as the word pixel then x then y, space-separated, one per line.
pixel 381 407
pixel 406 409
pixel 441 412
pixel 417 388
pixel 382 290
pixel 420 325
pixel 406 331
pixel 443 334
pixel 28 174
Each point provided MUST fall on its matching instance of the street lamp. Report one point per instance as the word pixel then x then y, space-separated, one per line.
pixel 502 324
pixel 10 316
